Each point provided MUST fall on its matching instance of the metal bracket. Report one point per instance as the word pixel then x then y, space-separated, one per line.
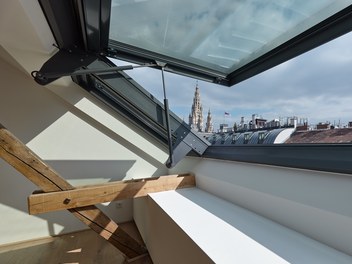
pixel 74 62
pixel 169 163
pixel 64 63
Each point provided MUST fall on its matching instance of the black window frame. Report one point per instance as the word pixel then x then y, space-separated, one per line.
pixel 330 28
pixel 72 26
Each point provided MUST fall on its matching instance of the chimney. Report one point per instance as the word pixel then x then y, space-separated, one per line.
pixel 254 125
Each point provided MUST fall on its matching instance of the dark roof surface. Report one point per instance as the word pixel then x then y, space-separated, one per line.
pixel 342 135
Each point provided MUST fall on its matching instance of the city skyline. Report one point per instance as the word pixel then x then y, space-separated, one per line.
pixel 320 89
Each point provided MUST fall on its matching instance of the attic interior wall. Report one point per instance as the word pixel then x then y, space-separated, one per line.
pixel 166 241
pixel 79 137
pixel 316 204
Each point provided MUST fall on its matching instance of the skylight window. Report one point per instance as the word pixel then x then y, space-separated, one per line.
pixel 218 36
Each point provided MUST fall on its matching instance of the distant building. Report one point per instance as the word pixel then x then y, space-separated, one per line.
pixel 196 115
pixel 242 125
pixel 303 127
pixel 224 128
pixel 195 119
pixel 209 124
pixel 273 123
pixel 292 121
pixel 323 126
pixel 257 122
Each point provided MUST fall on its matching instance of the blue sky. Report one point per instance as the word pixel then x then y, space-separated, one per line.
pixel 316 85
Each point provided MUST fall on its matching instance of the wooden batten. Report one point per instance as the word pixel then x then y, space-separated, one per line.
pixel 18 155
pixel 95 194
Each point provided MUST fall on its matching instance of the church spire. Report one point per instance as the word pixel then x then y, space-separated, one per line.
pixel 209 125
pixel 196 115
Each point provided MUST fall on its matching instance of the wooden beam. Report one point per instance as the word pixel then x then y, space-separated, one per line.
pixel 32 167
pixel 19 156
pixel 95 194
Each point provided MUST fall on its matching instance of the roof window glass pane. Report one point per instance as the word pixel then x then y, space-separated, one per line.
pixel 221 35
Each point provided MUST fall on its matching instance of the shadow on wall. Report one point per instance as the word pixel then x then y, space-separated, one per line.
pixel 82 172
pixel 14 189
pixel 27 109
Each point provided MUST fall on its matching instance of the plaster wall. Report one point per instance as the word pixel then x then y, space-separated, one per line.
pixel 165 240
pixel 316 204
pixel 81 138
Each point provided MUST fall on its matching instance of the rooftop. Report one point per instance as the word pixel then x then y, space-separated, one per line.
pixel 341 135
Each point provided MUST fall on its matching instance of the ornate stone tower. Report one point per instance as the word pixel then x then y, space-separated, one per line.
pixel 196 115
pixel 209 124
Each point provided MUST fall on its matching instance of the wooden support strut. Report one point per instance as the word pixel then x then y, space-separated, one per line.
pixel 95 194
pixel 18 155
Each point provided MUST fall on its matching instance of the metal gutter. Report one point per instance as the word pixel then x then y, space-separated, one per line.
pixel 320 157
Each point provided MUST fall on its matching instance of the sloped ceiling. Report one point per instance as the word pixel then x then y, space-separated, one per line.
pixel 25 38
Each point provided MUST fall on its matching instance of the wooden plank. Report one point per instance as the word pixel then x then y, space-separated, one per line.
pixel 95 194
pixel 32 167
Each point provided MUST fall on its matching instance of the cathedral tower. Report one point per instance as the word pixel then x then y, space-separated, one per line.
pixel 196 115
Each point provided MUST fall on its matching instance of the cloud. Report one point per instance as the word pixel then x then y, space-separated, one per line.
pixel 217 34
pixel 316 85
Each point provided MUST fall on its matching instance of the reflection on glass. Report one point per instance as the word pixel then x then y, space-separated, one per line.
pixel 221 35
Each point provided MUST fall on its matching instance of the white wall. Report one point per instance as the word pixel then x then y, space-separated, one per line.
pixel 165 240
pixel 81 138
pixel 78 136
pixel 317 204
